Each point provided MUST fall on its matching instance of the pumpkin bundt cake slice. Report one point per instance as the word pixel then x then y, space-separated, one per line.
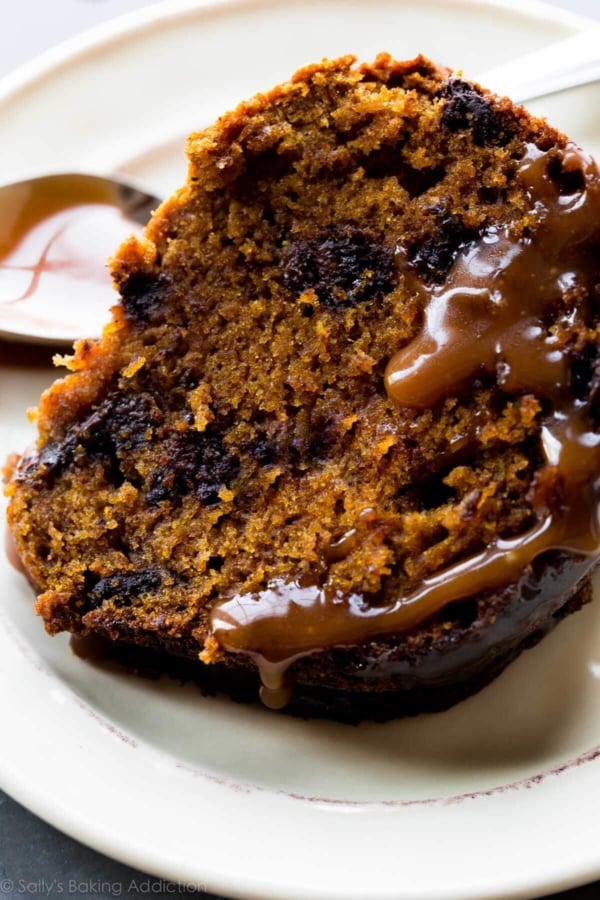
pixel 341 435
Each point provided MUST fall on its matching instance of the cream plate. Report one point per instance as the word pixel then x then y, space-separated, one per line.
pixel 495 798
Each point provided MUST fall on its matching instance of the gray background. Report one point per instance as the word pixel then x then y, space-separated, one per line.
pixel 35 859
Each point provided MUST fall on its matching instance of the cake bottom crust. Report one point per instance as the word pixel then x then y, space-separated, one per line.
pixel 383 681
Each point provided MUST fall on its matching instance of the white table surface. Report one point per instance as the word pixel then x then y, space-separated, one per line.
pixel 32 852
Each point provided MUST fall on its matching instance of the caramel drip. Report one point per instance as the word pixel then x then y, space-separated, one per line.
pixel 488 317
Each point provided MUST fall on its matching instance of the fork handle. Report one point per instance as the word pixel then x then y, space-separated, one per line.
pixel 568 63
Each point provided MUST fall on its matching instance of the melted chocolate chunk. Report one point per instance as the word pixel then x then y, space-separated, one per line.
pixel 52 460
pixel 124 587
pixel 344 266
pixel 194 463
pixel 433 257
pixel 142 295
pixel 120 425
pixel 467 107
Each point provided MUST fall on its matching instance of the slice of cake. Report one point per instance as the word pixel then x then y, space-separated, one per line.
pixel 342 436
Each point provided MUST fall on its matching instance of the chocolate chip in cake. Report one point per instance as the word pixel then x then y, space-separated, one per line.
pixel 194 463
pixel 433 257
pixel 467 107
pixel 120 425
pixel 53 458
pixel 343 265
pixel 124 587
pixel 143 295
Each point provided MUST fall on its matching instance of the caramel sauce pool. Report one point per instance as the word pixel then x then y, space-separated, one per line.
pixel 56 235
pixel 487 317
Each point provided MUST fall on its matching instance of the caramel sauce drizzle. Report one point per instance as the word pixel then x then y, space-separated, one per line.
pixel 55 237
pixel 488 317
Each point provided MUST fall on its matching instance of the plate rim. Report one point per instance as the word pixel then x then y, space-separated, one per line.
pixel 90 39
pixel 68 52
